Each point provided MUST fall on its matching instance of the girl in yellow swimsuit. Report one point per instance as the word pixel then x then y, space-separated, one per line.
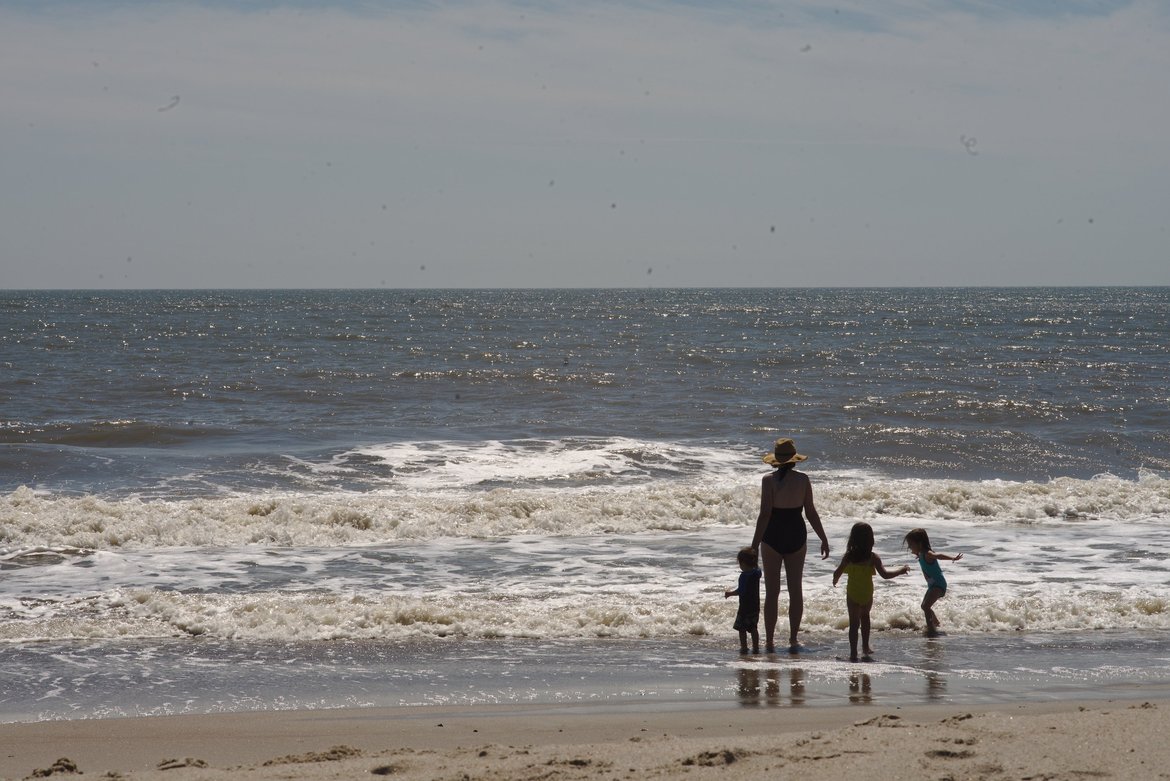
pixel 858 564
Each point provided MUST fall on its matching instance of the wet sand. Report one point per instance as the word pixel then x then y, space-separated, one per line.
pixel 1122 739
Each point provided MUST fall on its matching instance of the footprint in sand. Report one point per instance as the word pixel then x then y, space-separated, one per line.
pixel 946 753
pixel 62 765
pixel 175 764
pixel 711 758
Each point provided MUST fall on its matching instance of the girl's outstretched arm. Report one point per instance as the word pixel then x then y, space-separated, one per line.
pixel 932 556
pixel 837 572
pixel 888 573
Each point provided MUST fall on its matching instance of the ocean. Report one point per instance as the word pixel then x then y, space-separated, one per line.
pixel 247 500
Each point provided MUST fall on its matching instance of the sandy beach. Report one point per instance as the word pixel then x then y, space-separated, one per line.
pixel 1060 740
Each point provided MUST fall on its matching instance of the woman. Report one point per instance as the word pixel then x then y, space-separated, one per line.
pixel 784 494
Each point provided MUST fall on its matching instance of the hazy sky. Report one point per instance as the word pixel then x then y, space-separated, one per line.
pixel 251 143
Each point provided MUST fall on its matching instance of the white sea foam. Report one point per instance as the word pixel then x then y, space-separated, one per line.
pixel 289 616
pixel 623 558
pixel 29 519
pixel 578 461
pixel 1067 575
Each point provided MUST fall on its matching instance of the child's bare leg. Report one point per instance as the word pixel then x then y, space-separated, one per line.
pixel 855 611
pixel 743 649
pixel 865 648
pixel 932 595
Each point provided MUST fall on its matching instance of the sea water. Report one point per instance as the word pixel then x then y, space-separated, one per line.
pixel 216 500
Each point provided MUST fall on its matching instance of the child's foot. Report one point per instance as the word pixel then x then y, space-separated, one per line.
pixel 853 657
pixel 867 651
pixel 867 658
pixel 755 649
pixel 743 649
pixel 770 649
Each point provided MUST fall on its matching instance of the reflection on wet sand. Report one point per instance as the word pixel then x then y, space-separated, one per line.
pixel 921 672
pixel 860 689
pixel 933 665
pixel 765 685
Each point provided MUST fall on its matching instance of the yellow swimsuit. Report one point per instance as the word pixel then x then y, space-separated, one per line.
pixel 859 586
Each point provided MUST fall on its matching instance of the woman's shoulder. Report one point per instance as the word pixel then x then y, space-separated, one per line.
pixel 786 473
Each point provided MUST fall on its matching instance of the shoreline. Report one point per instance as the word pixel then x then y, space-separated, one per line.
pixel 1119 738
pixel 105 680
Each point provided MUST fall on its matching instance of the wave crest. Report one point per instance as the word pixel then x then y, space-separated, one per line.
pixel 29 518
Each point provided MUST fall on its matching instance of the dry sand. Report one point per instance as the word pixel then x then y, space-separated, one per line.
pixel 1032 742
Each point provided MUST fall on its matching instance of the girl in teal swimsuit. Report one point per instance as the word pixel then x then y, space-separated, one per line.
pixel 936 585
pixel 858 564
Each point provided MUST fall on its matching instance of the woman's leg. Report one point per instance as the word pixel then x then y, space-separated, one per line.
pixel 771 563
pixel 794 571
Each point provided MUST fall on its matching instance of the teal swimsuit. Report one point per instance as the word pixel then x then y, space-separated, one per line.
pixel 933 574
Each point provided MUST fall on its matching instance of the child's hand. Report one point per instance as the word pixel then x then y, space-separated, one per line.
pixel 727 593
pixel 957 557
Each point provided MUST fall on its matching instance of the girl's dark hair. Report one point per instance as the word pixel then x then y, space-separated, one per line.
pixel 918 537
pixel 859 549
pixel 747 556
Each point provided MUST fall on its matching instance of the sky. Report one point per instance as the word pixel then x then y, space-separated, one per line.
pixel 488 143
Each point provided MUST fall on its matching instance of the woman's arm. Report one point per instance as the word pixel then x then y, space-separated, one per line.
pixel 814 518
pixel 765 511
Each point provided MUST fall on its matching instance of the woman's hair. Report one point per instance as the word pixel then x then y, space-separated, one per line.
pixel 859 549
pixel 918 537
pixel 747 556
pixel 784 469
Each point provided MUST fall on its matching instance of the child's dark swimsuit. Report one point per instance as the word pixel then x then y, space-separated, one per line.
pixel 786 532
pixel 747 618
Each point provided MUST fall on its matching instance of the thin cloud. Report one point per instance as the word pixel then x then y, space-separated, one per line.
pixel 854 131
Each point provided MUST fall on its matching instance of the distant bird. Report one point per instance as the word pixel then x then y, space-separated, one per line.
pixel 174 102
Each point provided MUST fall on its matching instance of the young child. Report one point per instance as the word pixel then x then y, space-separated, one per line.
pixel 936 585
pixel 859 563
pixel 747 618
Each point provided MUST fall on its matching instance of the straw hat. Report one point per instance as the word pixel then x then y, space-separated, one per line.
pixel 784 453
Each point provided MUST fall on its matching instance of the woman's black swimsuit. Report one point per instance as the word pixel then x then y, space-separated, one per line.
pixel 786 532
